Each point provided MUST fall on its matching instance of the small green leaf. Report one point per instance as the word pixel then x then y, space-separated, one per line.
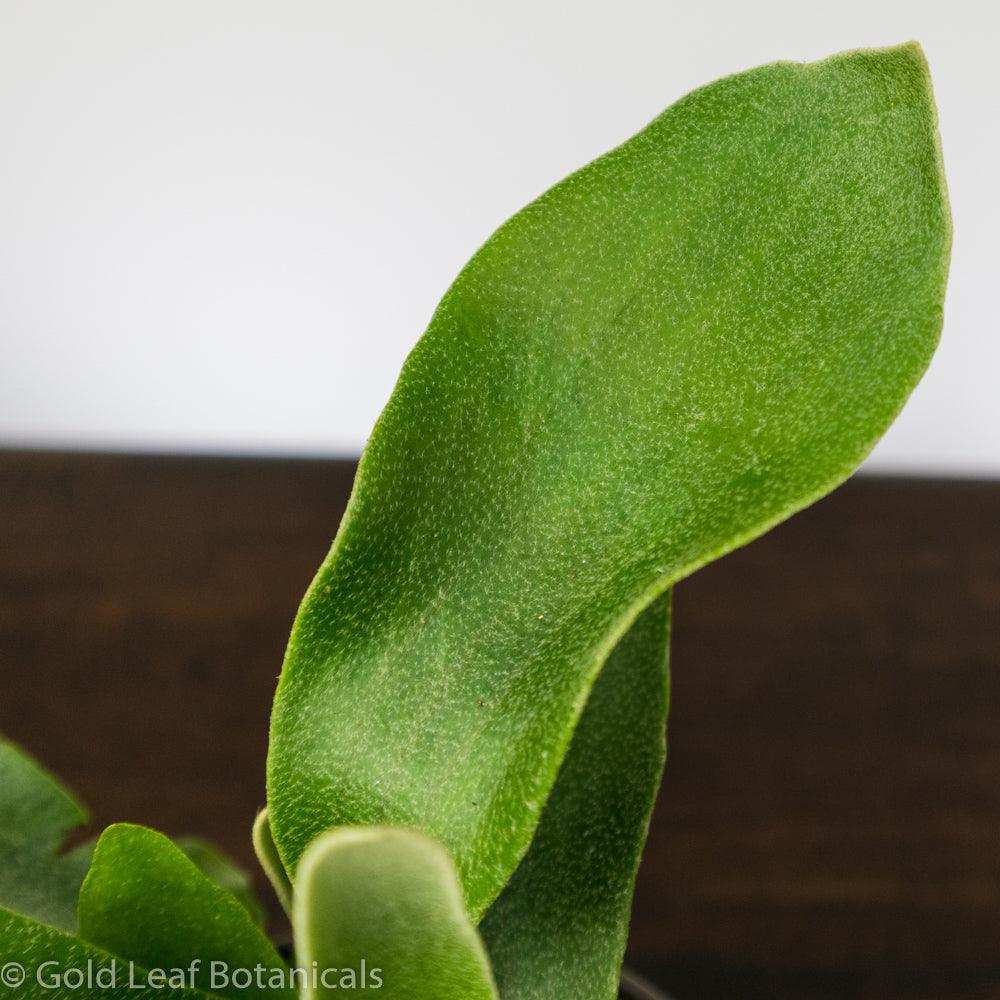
pixel 145 901
pixel 270 860
pixel 558 930
pixel 52 962
pixel 36 815
pixel 384 908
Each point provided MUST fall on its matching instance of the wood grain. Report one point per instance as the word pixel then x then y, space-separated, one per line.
pixel 830 822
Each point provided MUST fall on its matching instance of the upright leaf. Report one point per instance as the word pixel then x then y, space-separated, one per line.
pixel 380 912
pixel 666 354
pixel 558 930
pixel 36 815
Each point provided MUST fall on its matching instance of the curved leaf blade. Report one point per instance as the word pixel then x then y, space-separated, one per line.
pixel 665 355
pixel 384 907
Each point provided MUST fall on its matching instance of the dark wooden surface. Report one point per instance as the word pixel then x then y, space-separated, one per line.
pixel 829 826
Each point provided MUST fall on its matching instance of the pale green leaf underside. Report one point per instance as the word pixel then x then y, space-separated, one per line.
pixel 663 356
pixel 386 903
pixel 270 860
pixel 36 815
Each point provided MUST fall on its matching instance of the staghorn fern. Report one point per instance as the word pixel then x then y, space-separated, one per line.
pixel 662 357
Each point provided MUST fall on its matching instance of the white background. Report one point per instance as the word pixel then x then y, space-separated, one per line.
pixel 223 225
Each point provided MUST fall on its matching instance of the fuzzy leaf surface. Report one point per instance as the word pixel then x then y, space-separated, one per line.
pixel 387 903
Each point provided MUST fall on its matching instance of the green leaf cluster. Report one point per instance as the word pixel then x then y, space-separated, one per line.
pixel 134 905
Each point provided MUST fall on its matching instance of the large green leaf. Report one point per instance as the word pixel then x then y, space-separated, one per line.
pixel 147 902
pixel 36 815
pixel 382 913
pixel 558 930
pixel 666 354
